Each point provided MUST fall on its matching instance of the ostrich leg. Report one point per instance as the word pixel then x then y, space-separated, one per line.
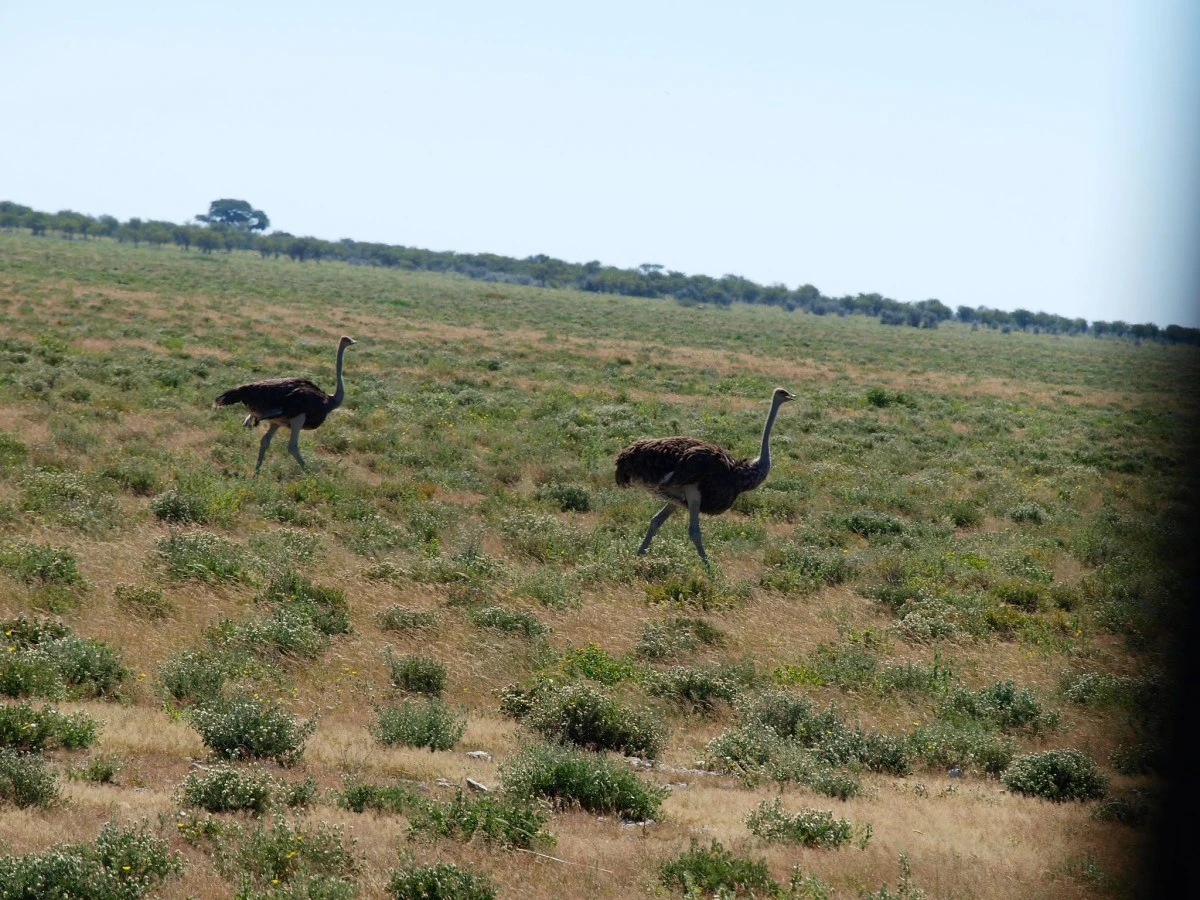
pixel 655 523
pixel 262 447
pixel 294 444
pixel 693 502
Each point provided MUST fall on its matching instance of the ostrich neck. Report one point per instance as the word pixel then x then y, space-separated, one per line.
pixel 763 463
pixel 340 392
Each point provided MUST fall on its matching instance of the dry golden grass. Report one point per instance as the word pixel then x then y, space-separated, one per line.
pixel 966 838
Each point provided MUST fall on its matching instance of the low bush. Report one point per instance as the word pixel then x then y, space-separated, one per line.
pixel 27 729
pixel 287 633
pixel 695 689
pixel 1058 775
pixel 1002 705
pixel 416 674
pixel 144 601
pixel 325 607
pixel 507 821
pixel 569 777
pixel 198 676
pixel 25 781
pixel 249 727
pixel 969 746
pixel 716 871
pixel 1138 759
pixel 289 859
pixel 579 714
pixel 596 663
pixel 1129 809
pixel 200 555
pixel 395 798
pixel 1029 512
pixel 398 618
pixel 420 723
pixel 102 769
pixel 809 827
pixel 672 637
pixel 122 864
pixel 868 523
pixel 39 564
pixel 566 497
pixel 181 507
pixel 222 788
pixel 502 618
pixel 802 569
pixel 439 881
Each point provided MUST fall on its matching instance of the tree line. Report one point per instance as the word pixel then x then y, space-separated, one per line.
pixel 234 225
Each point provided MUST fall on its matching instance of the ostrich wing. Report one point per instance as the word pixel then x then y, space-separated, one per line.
pixel 672 461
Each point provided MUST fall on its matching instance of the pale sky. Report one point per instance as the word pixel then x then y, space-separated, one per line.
pixel 1043 155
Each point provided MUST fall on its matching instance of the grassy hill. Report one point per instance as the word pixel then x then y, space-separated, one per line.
pixel 965 554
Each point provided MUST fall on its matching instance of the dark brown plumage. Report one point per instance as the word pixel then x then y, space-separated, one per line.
pixel 695 474
pixel 295 402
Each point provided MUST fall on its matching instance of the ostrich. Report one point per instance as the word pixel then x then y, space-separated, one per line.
pixel 295 402
pixel 689 472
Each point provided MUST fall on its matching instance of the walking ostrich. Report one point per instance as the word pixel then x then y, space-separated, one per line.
pixel 295 402
pixel 689 472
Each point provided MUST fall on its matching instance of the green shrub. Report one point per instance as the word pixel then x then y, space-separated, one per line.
pixel 668 638
pixel 397 618
pixel 905 889
pixel 579 714
pixel 967 746
pixel 416 674
pixel 868 523
pixel 1130 809
pixel 498 819
pixel 1101 689
pixel 1028 512
pixel 439 881
pixel 810 827
pixel 568 777
pixel 596 663
pixel 541 538
pixel 502 618
pixel 549 588
pixel 89 668
pixel 1138 759
pixel 287 632
pixel 200 555
pixel 102 769
pixel 181 507
pixel 24 728
pixel 25 781
pixel 69 499
pixel 567 497
pixel 198 676
pixel 144 601
pixel 1057 775
pixel 424 723
pixel 692 591
pixel 695 689
pixel 222 788
pixel 246 727
pixel 281 858
pixel 801 569
pixel 716 871
pixel 1002 705
pixel 325 607
pixel 121 865
pixel 40 563
pixel 27 674
pixel 396 798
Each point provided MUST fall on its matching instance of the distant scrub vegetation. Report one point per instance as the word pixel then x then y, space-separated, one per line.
pixel 233 225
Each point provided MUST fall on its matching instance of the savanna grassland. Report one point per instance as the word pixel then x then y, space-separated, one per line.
pixel 967 555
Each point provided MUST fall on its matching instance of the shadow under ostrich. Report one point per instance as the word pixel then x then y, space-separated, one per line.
pixel 688 472
pixel 295 402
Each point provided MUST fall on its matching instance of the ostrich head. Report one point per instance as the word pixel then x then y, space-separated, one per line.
pixel 782 396
pixel 346 341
